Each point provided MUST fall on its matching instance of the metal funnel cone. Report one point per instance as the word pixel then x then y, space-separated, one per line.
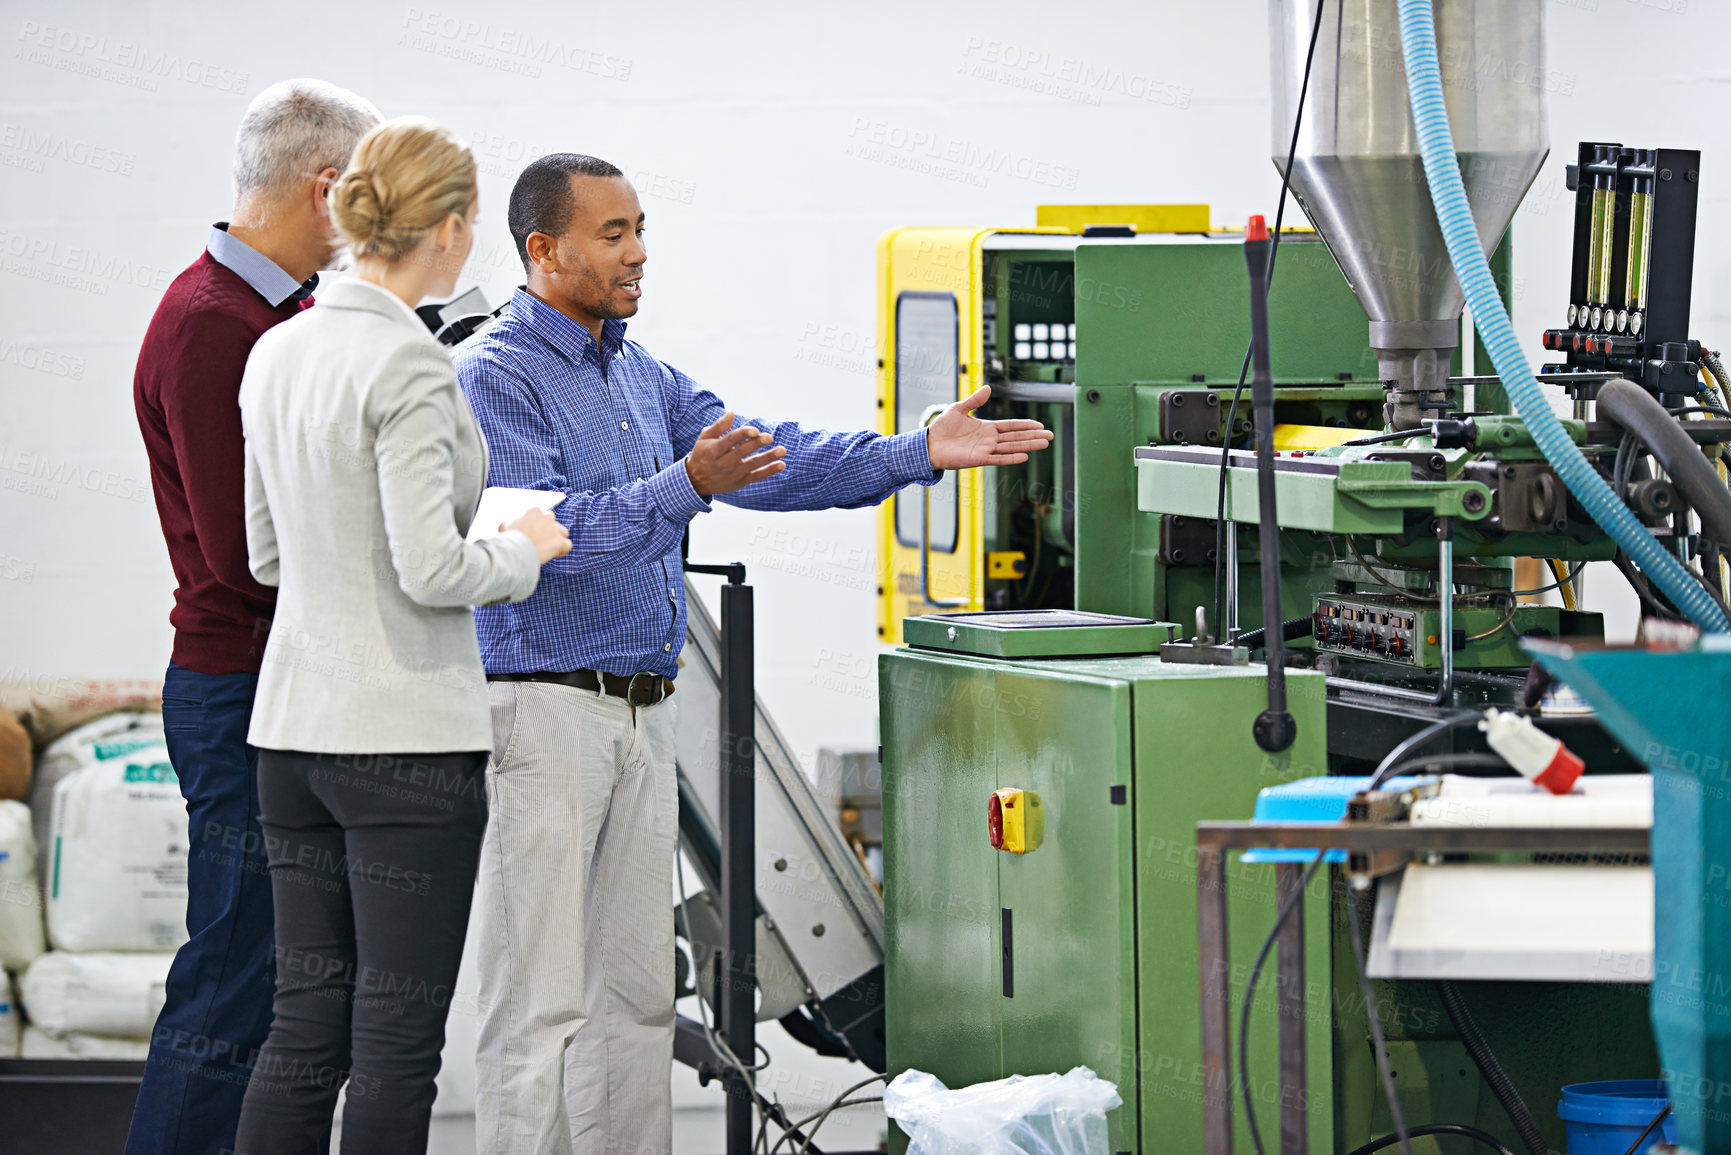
pixel 1357 171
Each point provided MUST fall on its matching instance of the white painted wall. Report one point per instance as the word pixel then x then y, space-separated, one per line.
pixel 772 143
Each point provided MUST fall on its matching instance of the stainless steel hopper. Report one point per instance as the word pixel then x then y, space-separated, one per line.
pixel 1358 175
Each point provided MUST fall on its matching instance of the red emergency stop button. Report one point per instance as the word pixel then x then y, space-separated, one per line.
pixel 995 822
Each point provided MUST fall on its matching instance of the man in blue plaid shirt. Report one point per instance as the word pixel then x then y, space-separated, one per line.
pixel 576 1030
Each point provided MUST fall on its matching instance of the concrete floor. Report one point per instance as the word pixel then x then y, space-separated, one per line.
pixel 696 1131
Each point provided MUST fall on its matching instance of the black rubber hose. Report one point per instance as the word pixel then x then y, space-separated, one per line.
pixel 1501 1086
pixel 1657 428
pixel 1290 630
pixel 1472 1133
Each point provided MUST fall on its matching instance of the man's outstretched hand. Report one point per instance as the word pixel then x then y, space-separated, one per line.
pixel 725 459
pixel 957 439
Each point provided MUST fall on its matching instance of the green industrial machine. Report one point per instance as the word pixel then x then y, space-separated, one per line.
pixel 1084 633
pixel 1083 950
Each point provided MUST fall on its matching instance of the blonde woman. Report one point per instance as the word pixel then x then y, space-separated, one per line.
pixel 363 470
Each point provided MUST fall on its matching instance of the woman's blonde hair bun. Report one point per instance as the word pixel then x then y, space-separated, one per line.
pixel 407 175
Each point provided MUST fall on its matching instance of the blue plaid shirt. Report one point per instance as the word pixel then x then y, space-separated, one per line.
pixel 610 426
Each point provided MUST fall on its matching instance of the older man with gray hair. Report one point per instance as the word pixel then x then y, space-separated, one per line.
pixel 258 269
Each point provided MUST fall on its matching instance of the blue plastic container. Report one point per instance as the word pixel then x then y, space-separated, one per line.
pixel 1604 1118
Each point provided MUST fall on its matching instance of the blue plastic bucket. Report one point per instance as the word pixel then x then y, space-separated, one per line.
pixel 1604 1118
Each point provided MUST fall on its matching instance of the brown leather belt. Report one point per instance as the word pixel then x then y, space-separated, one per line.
pixel 637 689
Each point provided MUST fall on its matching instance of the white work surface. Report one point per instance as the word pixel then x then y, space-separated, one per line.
pixel 1521 921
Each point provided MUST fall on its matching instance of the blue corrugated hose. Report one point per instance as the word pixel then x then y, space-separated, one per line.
pixel 1449 196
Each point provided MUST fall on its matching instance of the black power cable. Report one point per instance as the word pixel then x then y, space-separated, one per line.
pixel 1274 728
pixel 1244 369
pixel 1485 1060
pixel 1291 630
pixel 1401 1134
pixel 1461 1129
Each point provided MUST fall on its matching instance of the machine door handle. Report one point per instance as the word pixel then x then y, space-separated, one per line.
pixel 932 413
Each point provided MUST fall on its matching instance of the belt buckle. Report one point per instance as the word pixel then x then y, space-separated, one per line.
pixel 631 690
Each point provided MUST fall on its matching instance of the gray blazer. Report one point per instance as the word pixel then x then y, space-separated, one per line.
pixel 363 468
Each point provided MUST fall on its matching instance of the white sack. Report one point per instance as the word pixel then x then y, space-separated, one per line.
pixel 95 994
pixel 117 869
pixel 11 1021
pixel 110 736
pixel 21 927
pixel 39 1044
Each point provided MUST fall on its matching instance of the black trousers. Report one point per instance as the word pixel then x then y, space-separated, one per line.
pixel 372 864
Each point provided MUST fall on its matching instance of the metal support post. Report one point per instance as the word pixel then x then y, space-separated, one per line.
pixel 1294 1120
pixel 738 850
pixel 736 982
pixel 1216 1015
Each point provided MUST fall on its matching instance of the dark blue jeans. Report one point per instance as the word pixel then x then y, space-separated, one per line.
pixel 218 1006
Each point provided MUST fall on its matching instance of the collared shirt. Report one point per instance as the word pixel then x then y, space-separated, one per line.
pixel 263 274
pixel 609 425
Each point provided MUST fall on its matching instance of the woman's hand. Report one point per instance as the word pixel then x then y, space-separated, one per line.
pixel 550 538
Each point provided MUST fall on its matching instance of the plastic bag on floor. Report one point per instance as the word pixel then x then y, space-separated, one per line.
pixel 1020 1115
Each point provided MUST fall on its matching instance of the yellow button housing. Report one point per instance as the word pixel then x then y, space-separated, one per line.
pixel 1015 820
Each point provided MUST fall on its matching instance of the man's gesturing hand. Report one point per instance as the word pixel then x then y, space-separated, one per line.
pixel 958 440
pixel 725 459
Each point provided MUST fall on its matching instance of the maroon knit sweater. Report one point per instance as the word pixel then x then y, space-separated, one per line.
pixel 187 392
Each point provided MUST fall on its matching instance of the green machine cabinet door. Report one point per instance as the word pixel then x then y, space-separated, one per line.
pixel 941 948
pixel 1196 760
pixel 1069 903
pixel 958 1004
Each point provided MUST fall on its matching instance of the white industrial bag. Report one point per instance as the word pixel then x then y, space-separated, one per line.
pixel 20 898
pixel 39 1044
pixel 95 994
pixel 10 1020
pixel 111 736
pixel 117 855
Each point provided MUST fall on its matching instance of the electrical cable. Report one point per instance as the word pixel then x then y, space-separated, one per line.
pixel 1290 630
pixel 1396 435
pixel 1244 369
pixel 1385 769
pixel 1382 577
pixel 1514 608
pixel 1641 414
pixel 1638 582
pixel 817 1118
pixel 717 1043
pixel 1559 584
pixel 1280 917
pixel 1713 409
pixel 1461 1129
pixel 1358 956
pixel 1642 1137
pixel 1446 761
pixel 1495 1077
